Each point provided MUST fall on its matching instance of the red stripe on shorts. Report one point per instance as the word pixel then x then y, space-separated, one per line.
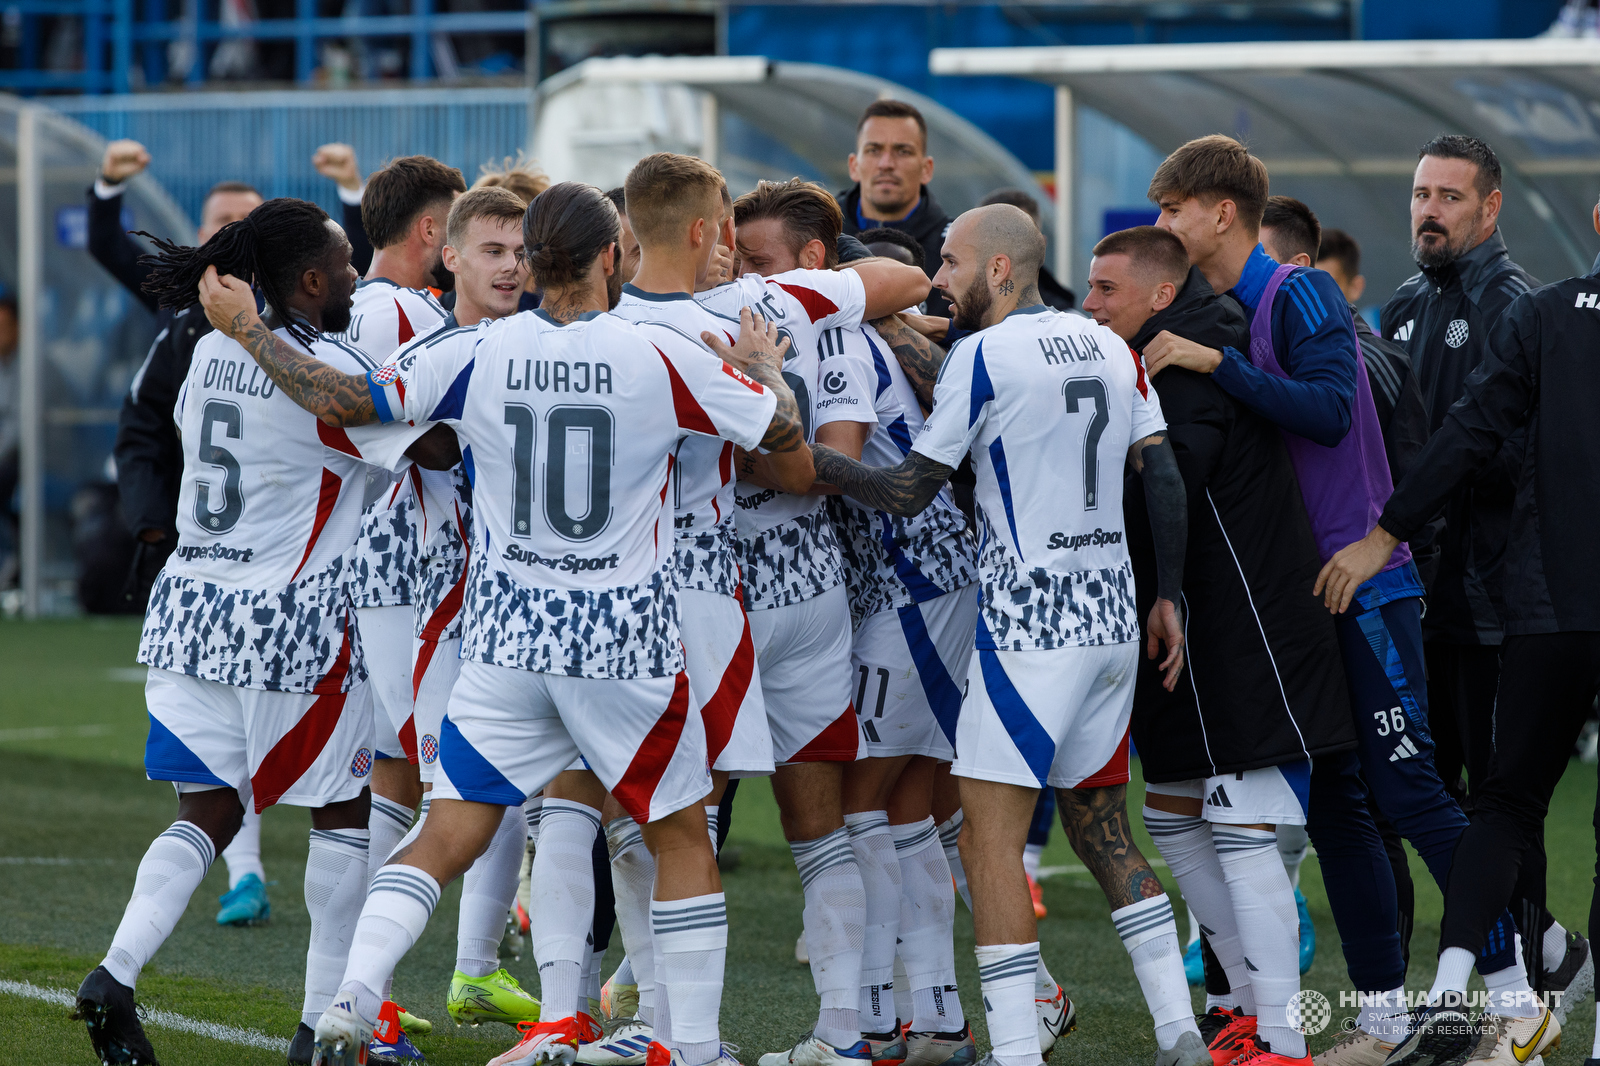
pixel 722 709
pixel 1114 772
pixel 840 742
pixel 293 755
pixel 644 773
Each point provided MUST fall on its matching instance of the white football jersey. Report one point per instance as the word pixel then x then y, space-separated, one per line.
pixel 1048 404
pixel 256 595
pixel 383 317
pixel 702 479
pixel 786 544
pixel 890 560
pixel 568 436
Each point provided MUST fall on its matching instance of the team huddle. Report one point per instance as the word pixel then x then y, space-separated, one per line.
pixel 455 579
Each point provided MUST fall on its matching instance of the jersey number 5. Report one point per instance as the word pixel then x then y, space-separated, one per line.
pixel 232 419
pixel 578 436
pixel 1076 391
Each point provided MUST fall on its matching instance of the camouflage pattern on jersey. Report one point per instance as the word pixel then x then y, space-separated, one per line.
pixel 440 569
pixel 791 562
pixel 1037 609
pixel 383 560
pixel 882 552
pixel 706 561
pixel 282 640
pixel 619 633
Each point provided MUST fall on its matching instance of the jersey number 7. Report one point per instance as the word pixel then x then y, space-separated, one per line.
pixel 1076 391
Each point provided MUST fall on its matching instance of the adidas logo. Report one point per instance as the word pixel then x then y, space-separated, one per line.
pixel 1403 750
pixel 1404 332
pixel 1219 798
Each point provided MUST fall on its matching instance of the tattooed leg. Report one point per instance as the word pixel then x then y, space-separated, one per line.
pixel 1096 820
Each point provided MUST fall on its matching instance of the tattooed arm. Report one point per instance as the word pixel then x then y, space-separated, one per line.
pixel 1097 824
pixel 905 489
pixel 918 356
pixel 1167 500
pixel 337 398
pixel 759 354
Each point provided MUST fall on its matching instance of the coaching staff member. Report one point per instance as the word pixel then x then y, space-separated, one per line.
pixel 891 169
pixel 1443 316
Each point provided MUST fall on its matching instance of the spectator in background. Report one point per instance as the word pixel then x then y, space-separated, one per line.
pixel 1340 255
pixel 10 436
pixel 1051 291
pixel 891 169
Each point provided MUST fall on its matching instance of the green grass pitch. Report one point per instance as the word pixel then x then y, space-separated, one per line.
pixel 72 728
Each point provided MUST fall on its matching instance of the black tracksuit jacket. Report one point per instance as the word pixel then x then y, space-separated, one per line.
pixel 1264 683
pixel 1540 379
pixel 1444 319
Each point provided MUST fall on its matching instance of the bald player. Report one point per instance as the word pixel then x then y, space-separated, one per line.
pixel 1048 405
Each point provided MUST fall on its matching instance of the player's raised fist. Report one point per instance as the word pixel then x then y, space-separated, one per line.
pixel 338 162
pixel 123 159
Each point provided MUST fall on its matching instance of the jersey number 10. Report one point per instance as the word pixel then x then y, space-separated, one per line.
pixel 577 436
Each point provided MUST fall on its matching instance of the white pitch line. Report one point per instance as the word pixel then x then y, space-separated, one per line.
pixel 52 732
pixel 162 1018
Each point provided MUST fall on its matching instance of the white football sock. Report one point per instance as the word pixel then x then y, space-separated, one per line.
pixel 336 888
pixel 172 868
pixel 378 862
pixel 712 813
pixel 1044 985
pixel 1194 924
pixel 1292 843
pixel 835 917
pixel 1455 964
pixel 1006 972
pixel 563 903
pixel 388 824
pixel 532 810
pixel 243 853
pixel 633 877
pixel 1554 944
pixel 1032 855
pixel 591 980
pixel 903 1008
pixel 1269 928
pixel 1595 1053
pixel 623 974
pixel 397 909
pixel 488 890
pixel 1150 935
pixel 1186 845
pixel 949 834
pixel 927 921
pixel 874 848
pixel 1509 991
pixel 691 941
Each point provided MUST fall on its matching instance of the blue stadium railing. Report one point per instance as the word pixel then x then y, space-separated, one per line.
pixel 112 35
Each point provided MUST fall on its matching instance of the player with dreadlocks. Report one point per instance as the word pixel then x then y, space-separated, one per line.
pixel 249 636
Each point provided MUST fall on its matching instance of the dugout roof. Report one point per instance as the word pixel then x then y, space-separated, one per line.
pixel 1338 124
pixel 754 118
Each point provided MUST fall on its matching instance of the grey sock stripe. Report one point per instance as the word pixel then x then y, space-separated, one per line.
pixel 1024 962
pixel 1228 843
pixel 718 922
pixel 195 837
pixel 400 816
pixel 874 821
pixel 407 881
pixel 1143 923
pixel 950 830
pixel 1166 825
pixel 666 918
pixel 561 811
pixel 342 838
pixel 917 841
pixel 813 858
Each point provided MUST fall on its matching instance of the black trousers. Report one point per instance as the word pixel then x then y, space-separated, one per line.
pixel 1462 679
pixel 1548 682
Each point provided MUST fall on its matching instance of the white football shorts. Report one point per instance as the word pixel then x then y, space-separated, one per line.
pixel 509 732
pixel 1056 717
pixel 436 665
pixel 303 749
pixel 386 645
pixel 803 653
pixel 1270 795
pixel 910 666
pixel 725 683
